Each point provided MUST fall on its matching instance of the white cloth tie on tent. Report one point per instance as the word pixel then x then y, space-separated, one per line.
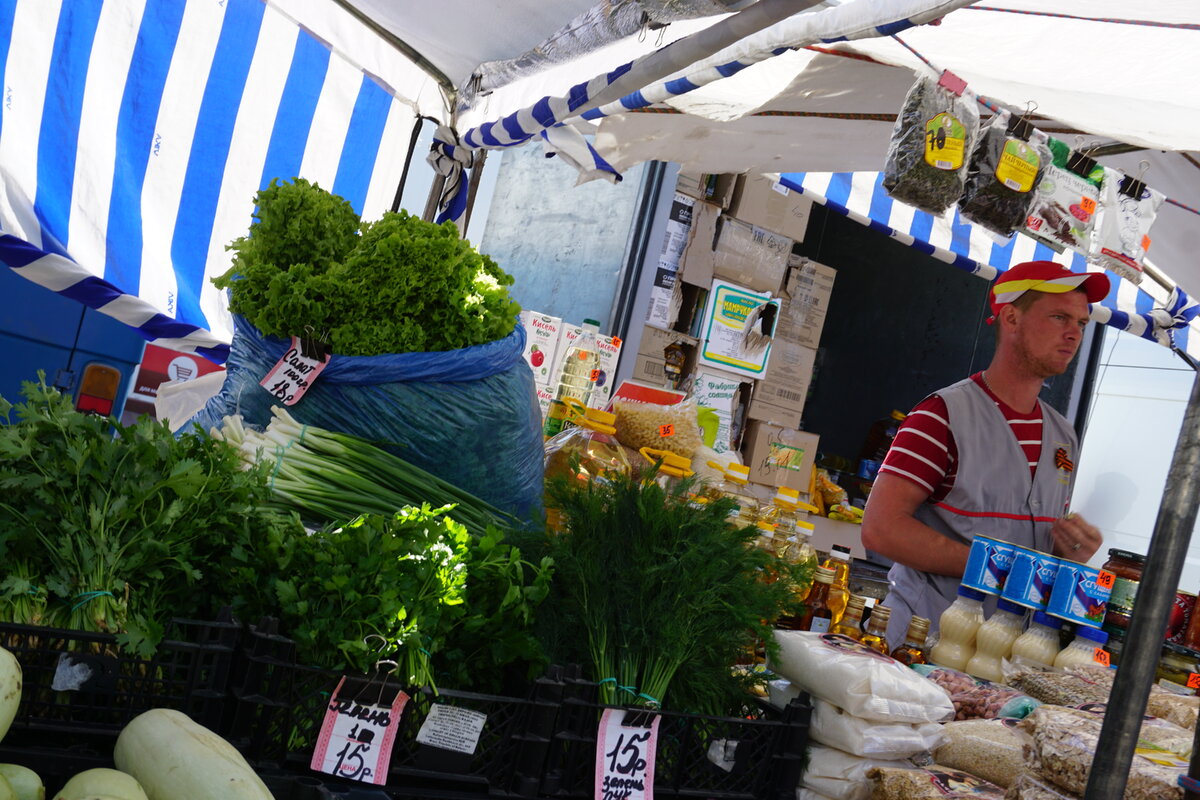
pixel 451 159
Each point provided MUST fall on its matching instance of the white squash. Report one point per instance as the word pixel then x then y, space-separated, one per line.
pixel 101 783
pixel 24 781
pixel 175 758
pixel 10 689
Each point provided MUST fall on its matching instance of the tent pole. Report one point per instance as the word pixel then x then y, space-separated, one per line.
pixel 1156 595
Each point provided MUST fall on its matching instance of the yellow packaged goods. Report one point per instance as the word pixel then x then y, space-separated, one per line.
pixel 1064 749
pixel 935 782
pixel 988 748
pixel 661 427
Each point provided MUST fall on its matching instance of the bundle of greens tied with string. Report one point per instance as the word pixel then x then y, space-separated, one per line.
pixel 660 596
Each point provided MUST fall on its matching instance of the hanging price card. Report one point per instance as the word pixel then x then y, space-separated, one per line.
pixel 1101 657
pixel 452 728
pixel 295 373
pixel 1193 681
pixel 625 756
pixel 356 738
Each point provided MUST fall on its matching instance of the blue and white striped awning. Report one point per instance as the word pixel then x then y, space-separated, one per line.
pixel 1148 311
pixel 134 135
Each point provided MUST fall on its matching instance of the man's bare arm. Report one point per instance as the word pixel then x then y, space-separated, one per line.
pixel 890 529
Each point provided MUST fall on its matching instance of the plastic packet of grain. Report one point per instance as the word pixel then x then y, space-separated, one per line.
pixel 857 679
pixel 660 427
pixel 842 776
pixel 935 782
pixel 975 698
pixel 1158 732
pixel 1028 786
pixel 1180 709
pixel 1064 749
pixel 1060 688
pixel 992 749
pixel 833 727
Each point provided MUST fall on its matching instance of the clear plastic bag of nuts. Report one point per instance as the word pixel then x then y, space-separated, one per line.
pixel 974 698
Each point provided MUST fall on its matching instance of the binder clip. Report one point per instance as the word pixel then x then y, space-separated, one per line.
pixel 314 346
pixel 1135 187
pixel 1020 127
pixel 1080 161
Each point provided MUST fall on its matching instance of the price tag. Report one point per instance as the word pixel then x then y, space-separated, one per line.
pixel 1106 579
pixel 625 756
pixel 1145 242
pixel 1101 657
pixel 1193 681
pixel 666 430
pixel 594 376
pixel 1088 204
pixel 356 739
pixel 452 728
pixel 616 341
pixel 294 374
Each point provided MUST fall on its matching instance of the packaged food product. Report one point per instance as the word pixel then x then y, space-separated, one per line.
pixel 661 427
pixel 913 650
pixel 1060 688
pixel 935 782
pixel 1028 786
pixel 840 775
pixel 1127 567
pixel 1181 615
pixel 1064 748
pixel 978 699
pixel 933 137
pixel 804 793
pixel 1158 732
pixel 859 680
pixel 1040 641
pixel 1031 579
pixel 988 564
pixel 957 628
pixel 1086 648
pixel 833 727
pixel 1176 665
pixel 1066 199
pixel 1080 593
pixel 988 748
pixel 1003 171
pixel 1176 708
pixel 994 641
pixel 1128 208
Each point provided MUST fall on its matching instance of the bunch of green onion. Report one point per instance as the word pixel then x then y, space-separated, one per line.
pixel 332 477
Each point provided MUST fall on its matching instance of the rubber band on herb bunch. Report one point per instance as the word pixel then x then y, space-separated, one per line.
pixel 88 597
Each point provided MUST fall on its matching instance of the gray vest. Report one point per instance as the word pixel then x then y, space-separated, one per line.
pixel 993 494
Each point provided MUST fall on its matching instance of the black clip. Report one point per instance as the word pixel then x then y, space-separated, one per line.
pixel 1021 127
pixel 638 718
pixel 1135 187
pixel 1081 163
pixel 315 347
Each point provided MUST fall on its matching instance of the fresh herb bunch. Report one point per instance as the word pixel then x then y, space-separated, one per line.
pixel 114 528
pixel 656 593
pixel 448 605
pixel 402 285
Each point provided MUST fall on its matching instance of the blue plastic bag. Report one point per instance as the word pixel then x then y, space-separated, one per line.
pixel 469 416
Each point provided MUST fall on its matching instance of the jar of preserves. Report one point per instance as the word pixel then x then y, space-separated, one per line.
pixel 1040 642
pixel 1127 566
pixel 1176 666
pixel 1082 649
pixel 957 628
pixel 994 641
pixel 1116 643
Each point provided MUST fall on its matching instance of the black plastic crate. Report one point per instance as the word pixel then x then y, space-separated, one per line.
pixel 82 684
pixel 765 751
pixel 54 763
pixel 280 705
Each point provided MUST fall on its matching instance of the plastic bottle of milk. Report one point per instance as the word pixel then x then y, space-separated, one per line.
pixel 1040 642
pixel 994 641
pixel 1082 650
pixel 957 628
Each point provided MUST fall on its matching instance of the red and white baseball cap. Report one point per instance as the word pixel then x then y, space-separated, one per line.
pixel 1045 276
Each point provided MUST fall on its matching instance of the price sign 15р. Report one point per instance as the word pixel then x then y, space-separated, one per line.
pixel 356 738
pixel 625 748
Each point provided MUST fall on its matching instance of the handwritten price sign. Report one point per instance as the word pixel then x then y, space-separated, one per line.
pixel 293 374
pixel 356 739
pixel 1106 579
pixel 1101 657
pixel 625 757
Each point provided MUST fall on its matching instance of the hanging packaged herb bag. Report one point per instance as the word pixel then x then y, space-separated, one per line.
pixel 1127 210
pixel 1066 199
pixel 927 157
pixel 1004 169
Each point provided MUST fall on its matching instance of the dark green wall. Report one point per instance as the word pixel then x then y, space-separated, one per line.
pixel 900 325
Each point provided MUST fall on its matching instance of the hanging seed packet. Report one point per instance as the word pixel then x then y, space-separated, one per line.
pixel 1128 208
pixel 1066 200
pixel 1001 178
pixel 935 132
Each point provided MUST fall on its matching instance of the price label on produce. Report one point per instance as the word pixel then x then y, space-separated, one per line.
pixel 1101 657
pixel 295 373
pixel 1106 579
pixel 1088 204
pixel 666 430
pixel 625 749
pixel 1193 681
pixel 356 738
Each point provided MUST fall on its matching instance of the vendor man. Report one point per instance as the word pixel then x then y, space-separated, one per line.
pixel 985 455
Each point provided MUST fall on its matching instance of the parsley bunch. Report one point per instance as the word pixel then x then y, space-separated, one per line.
pixel 397 285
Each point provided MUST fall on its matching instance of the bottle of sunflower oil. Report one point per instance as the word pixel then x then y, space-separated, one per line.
pixel 589 451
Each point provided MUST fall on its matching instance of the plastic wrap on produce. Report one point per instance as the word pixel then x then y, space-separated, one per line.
pixel 1179 709
pixel 842 776
pixel 975 698
pixel 1064 749
pixel 1028 786
pixel 992 749
pixel 859 680
pixel 1158 732
pixel 468 416
pixel 660 427
pixel 1003 172
pixel 1060 688
pixel 834 727
pixel 934 782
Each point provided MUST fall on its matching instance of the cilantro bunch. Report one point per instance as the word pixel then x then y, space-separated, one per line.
pixel 309 266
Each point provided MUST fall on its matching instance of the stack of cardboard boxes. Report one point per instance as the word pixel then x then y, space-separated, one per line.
pixel 727 262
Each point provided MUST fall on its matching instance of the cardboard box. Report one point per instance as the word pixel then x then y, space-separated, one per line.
pixel 542 333
pixel 610 355
pixel 662 309
pixel 633 390
pixel 713 188
pixel 751 256
pixel 544 395
pixel 809 289
pixel 727 395
pixel 724 342
pixel 779 456
pixel 651 370
pixel 779 397
pixel 762 200
pixel 698 257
